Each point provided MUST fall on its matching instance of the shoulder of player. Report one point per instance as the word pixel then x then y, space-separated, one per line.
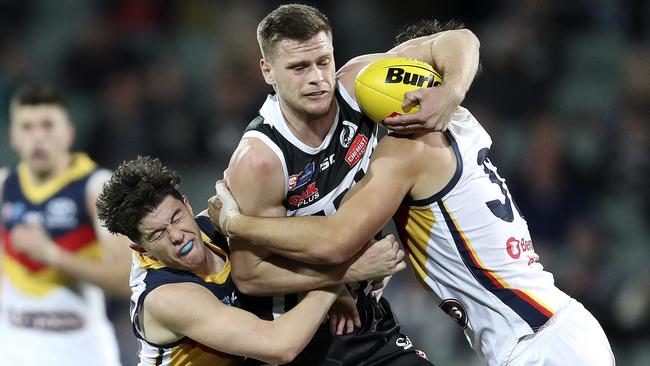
pixel 399 146
pixel 396 153
pixel 256 177
pixel 412 153
pixel 4 172
pixel 94 186
pixel 254 157
pixel 253 163
pixel 97 179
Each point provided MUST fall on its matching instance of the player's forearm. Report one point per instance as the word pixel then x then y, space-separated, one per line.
pixel 110 277
pixel 277 275
pixel 283 236
pixel 313 239
pixel 290 333
pixel 455 54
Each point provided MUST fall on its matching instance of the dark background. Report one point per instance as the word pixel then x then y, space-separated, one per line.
pixel 564 93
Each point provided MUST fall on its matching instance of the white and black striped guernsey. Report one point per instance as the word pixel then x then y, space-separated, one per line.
pixel 316 179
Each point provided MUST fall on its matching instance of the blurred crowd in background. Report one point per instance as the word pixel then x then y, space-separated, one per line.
pixel 564 92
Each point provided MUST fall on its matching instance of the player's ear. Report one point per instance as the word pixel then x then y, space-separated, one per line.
pixel 71 133
pixel 186 202
pixel 140 249
pixel 267 71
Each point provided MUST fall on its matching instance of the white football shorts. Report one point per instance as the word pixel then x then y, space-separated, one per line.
pixel 571 337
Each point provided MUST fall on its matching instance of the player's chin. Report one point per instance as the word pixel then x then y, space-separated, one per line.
pixel 318 107
pixel 41 165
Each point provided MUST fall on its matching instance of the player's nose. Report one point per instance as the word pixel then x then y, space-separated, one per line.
pixel 175 235
pixel 316 74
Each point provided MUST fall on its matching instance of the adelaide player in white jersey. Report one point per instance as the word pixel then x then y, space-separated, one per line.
pixel 465 237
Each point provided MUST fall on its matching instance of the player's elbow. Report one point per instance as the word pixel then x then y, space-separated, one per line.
pixel 243 283
pixel 338 250
pixel 469 37
pixel 288 355
pixel 283 354
pixel 249 288
pixel 247 282
pixel 278 344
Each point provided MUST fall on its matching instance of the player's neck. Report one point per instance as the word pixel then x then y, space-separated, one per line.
pixel 311 131
pixel 59 167
pixel 213 262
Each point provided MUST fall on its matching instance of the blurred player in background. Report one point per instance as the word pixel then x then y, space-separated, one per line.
pixel 466 240
pixel 186 306
pixel 309 145
pixel 4 171
pixel 56 260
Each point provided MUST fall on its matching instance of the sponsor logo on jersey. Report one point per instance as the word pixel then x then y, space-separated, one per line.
pixel 300 179
pixel 53 321
pixel 13 212
pixel 328 162
pixel 309 195
pixel 455 310
pixel 230 299
pixel 61 213
pixel 533 259
pixel 356 150
pixel 403 342
pixel 515 247
pixel 347 134
pixel 32 217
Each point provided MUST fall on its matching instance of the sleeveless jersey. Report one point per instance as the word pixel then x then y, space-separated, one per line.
pixel 316 179
pixel 471 247
pixel 47 317
pixel 148 274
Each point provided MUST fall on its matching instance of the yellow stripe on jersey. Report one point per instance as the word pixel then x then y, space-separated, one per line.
pixel 414 227
pixel 222 276
pixel 195 354
pixel 550 309
pixel 146 262
pixel 44 281
pixel 36 194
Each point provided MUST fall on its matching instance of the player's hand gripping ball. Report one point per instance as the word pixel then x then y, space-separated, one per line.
pixel 380 86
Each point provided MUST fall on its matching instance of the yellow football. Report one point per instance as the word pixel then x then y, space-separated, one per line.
pixel 380 86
